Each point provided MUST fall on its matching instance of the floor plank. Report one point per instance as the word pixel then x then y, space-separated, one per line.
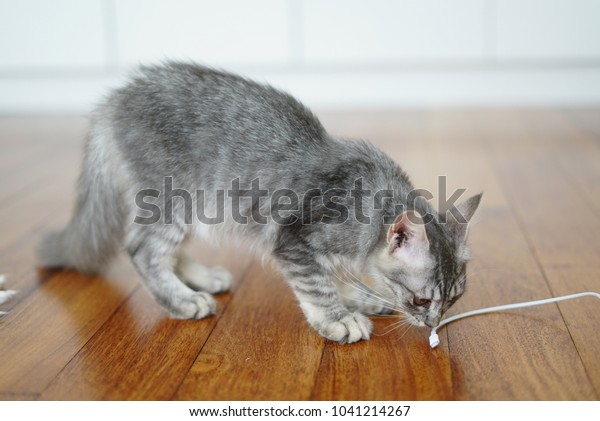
pixel 558 221
pixel 70 336
pixel 518 355
pixel 18 397
pixel 43 333
pixel 31 210
pixel 575 153
pixel 582 316
pixel 53 149
pixel 533 184
pixel 475 342
pixel 261 349
pixel 140 353
pixel 586 119
pixel 26 219
pixel 405 367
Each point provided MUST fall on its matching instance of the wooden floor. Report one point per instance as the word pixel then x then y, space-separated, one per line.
pixel 537 235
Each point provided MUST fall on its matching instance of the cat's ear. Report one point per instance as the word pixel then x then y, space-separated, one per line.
pixel 458 223
pixel 407 238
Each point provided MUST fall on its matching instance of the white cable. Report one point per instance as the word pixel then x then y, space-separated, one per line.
pixel 434 339
pixel 5 296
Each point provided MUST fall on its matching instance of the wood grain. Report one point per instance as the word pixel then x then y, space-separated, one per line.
pixel 576 153
pixel 405 367
pixel 70 336
pixel 476 342
pixel 264 350
pixel 18 397
pixel 44 192
pixel 35 153
pixel 139 353
pixel 577 232
pixel 541 196
pixel 43 333
pixel 582 316
pixel 586 119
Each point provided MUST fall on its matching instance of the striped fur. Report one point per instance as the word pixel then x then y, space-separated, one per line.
pixel 205 129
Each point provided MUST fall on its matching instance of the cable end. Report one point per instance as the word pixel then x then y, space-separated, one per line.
pixel 434 340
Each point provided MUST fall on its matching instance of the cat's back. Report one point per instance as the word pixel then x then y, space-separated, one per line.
pixel 185 103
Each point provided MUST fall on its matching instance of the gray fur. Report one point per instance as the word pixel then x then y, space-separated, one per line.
pixel 205 128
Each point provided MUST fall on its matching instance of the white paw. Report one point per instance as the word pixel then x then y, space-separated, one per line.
pixel 220 280
pixel 349 329
pixel 200 278
pixel 197 305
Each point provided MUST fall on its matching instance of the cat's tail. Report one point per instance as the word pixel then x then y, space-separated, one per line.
pixel 95 231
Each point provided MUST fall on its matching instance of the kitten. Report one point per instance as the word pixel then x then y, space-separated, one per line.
pixel 166 150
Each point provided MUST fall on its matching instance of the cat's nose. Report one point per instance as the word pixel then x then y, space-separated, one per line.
pixel 432 322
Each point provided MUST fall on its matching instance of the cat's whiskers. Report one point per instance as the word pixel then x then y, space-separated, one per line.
pixel 377 299
pixel 366 288
pixel 386 315
pixel 375 303
pixel 361 287
pixel 409 326
pixel 368 295
pixel 402 323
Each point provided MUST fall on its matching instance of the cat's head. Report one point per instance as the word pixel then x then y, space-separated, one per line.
pixel 423 265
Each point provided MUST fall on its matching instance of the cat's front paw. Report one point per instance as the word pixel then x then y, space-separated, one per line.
pixel 351 328
pixel 197 305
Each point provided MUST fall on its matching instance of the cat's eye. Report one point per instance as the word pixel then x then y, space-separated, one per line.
pixel 421 302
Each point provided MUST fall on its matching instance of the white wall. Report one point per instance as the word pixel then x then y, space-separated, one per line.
pixel 62 55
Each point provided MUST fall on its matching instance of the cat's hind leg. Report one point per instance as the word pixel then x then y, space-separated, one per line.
pixel 200 278
pixel 153 250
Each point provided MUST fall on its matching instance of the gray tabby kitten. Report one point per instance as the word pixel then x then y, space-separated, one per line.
pixel 179 127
